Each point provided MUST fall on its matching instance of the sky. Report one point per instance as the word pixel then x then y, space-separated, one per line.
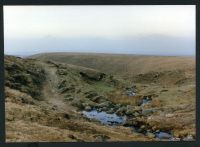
pixel 129 29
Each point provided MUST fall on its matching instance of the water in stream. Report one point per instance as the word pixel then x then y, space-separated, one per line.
pixel 113 119
pixel 105 118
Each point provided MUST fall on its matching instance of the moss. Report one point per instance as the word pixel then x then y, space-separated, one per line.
pixel 24 75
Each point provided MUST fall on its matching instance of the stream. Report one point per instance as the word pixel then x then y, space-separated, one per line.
pixel 105 118
pixel 113 120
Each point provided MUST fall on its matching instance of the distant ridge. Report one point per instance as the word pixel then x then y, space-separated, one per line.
pixel 121 63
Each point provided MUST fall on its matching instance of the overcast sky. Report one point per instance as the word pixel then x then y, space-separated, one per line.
pixel 155 30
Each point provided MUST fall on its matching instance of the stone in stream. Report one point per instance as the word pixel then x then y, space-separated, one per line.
pixel 104 109
pixel 88 108
pixel 110 111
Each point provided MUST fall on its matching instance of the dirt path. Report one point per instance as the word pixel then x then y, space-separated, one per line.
pixel 50 92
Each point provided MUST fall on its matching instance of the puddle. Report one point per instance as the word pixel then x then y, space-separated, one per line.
pixel 163 135
pixel 105 118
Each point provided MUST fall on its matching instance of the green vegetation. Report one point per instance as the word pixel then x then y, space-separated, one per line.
pixel 24 75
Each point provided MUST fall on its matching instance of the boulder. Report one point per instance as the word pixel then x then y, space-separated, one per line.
pixel 93 75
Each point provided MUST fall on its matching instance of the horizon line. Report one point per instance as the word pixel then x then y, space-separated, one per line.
pixel 103 53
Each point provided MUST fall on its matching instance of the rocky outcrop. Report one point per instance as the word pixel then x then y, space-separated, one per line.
pixel 24 75
pixel 96 76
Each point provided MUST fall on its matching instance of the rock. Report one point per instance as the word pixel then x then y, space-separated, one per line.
pixel 188 138
pixel 169 115
pixel 100 99
pixel 62 72
pixel 68 95
pixel 137 108
pixel 104 109
pixel 66 116
pixel 129 107
pixel 27 100
pixel 93 75
pixel 147 112
pixel 77 103
pixel 175 139
pixel 70 88
pixel 143 127
pixel 136 114
pixel 141 130
pixel 164 90
pixel 118 105
pixel 24 75
pixel 130 112
pixel 130 93
pixel 150 135
pixel 105 104
pixel 163 135
pixel 54 107
pixel 121 111
pixel 10 117
pixel 99 109
pixel 157 131
pixel 69 98
pixel 88 108
pixel 85 104
pixel 110 111
pixel 101 138
pixel 91 94
pixel 62 84
pixel 71 136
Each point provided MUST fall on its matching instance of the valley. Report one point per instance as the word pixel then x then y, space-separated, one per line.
pixel 70 97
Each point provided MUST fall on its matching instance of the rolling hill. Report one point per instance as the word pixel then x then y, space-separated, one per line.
pixel 52 92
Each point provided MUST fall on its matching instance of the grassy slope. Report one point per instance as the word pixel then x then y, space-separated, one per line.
pixel 173 89
pixel 171 81
pixel 27 118
pixel 121 64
